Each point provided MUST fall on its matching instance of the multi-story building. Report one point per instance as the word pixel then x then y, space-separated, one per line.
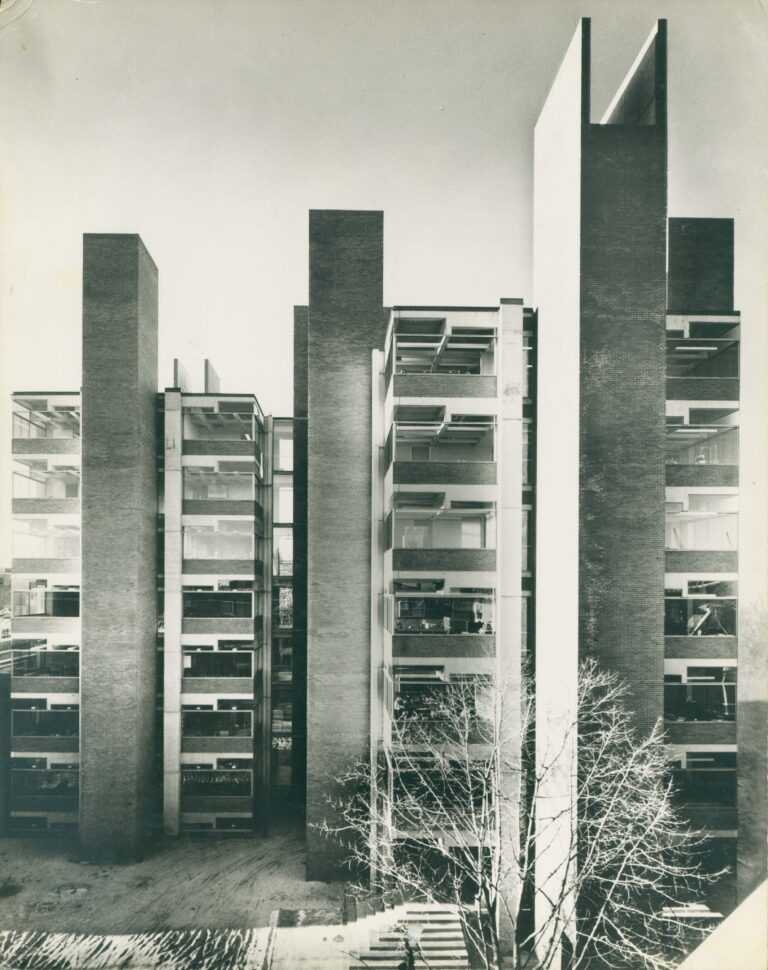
pixel 45 699
pixel 416 497
pixel 152 567
pixel 637 559
pixel 283 590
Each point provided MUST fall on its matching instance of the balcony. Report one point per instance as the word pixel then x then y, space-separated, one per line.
pixel 444 616
pixel 38 600
pixel 44 545
pixel 459 538
pixel 43 427
pixel 46 671
pixel 226 539
pixel 703 362
pixel 697 616
pixel 40 723
pixel 58 783
pixel 435 711
pixel 224 428
pixel 216 783
pixel 44 791
pixel 701 531
pixel 39 487
pixel 427 448
pixel 217 604
pixel 702 789
pixel 220 664
pixel 217 724
pixel 207 492
pixel 698 701
pixel 702 447
pixel 432 359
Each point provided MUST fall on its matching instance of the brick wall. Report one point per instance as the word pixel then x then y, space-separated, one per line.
pixel 345 323
pixel 703 388
pixel 444 385
pixel 435 645
pixel 702 475
pixel 441 560
pixel 623 305
pixel 119 523
pixel 444 473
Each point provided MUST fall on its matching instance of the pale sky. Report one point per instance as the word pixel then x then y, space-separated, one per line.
pixel 210 127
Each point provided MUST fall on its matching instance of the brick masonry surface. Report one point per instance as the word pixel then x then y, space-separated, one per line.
pixel 119 526
pixel 220 745
pixel 452 560
pixel 434 645
pixel 45 446
pixel 217 507
pixel 693 647
pixel 703 388
pixel 45 505
pixel 700 732
pixel 220 625
pixel 44 744
pixel 623 316
pixel 444 473
pixel 217 685
pixel 224 567
pixel 444 385
pixel 345 323
pixel 218 448
pixel 45 685
pixel 702 475
pixel 683 561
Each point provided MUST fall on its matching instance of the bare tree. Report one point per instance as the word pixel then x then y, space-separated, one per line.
pixel 447 814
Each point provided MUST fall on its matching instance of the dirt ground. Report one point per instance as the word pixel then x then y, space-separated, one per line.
pixel 186 883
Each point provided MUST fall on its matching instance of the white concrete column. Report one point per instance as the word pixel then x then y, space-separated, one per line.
pixel 172 653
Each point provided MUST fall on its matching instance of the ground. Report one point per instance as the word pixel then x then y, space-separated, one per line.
pixel 183 884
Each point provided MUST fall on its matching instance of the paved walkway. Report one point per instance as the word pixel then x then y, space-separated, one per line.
pixel 311 947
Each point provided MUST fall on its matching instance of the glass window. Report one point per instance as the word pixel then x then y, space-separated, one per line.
pixel 212 724
pixel 218 663
pixel 284 604
pixel 49 783
pixel 444 614
pixel 46 663
pixel 444 531
pixel 43 539
pixel 284 450
pixel 39 421
pixel 227 539
pixel 38 600
pixel 283 552
pixel 33 478
pixel 202 484
pixel 217 604
pixel 46 724
pixel 701 521
pixel 215 782
pixel 283 490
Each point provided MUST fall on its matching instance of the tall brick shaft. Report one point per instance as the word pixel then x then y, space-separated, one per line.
pixel 622 328
pixel 345 322
pixel 119 527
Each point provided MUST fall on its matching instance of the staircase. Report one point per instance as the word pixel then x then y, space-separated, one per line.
pixel 376 934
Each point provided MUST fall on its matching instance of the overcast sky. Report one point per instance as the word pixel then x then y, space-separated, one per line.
pixel 210 127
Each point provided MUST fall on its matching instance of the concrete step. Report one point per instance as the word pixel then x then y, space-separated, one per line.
pixel 394 959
